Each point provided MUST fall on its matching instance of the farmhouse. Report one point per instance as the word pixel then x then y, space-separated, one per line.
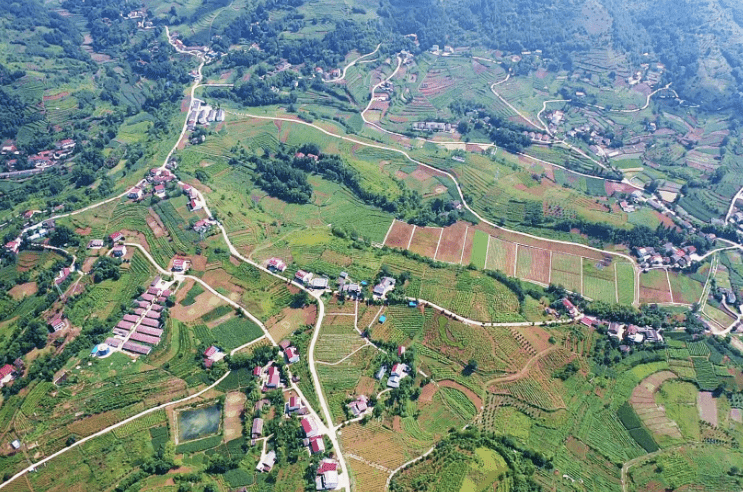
pixel 616 330
pixel 317 445
pixel 319 283
pixel 399 371
pixel 62 276
pixel 309 427
pixel 96 244
pixel 116 237
pixel 179 265
pixel 160 191
pixel 359 405
pixel 9 148
pixel 327 475
pixel 274 378
pixel 202 226
pixel 570 307
pixel 118 251
pixel 432 126
pixel 381 372
pixel 276 264
pixel 351 289
pixel 267 462
pixel 6 374
pixel 294 404
pixel 14 246
pixel 303 277
pixel 57 323
pixel 194 205
pixel 385 285
pixel 135 193
pixel 292 355
pixel 257 429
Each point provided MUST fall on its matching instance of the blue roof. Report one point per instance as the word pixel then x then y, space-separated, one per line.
pixel 363 282
pixel 412 304
pixel 382 319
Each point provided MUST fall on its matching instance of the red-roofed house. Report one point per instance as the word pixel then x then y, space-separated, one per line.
pixel 294 404
pixel 274 378
pixel 194 205
pixel 309 427
pixel 327 465
pixel 303 277
pixel 211 351
pixel 179 265
pixel 116 237
pixel 14 246
pixel 292 355
pixel 160 190
pixel 572 310
pixel 66 144
pixel 6 374
pixel 9 148
pixel 62 276
pixel 400 351
pixel 58 323
pixel 257 371
pixel 276 264
pixel 317 445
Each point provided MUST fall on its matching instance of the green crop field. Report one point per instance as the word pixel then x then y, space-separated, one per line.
pixel 480 249
pixel 625 282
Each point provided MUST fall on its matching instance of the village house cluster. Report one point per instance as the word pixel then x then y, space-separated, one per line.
pixel 627 334
pixel 41 160
pixel 670 255
pixel 203 114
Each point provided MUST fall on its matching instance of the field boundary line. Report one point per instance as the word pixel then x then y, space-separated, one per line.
pixel 439 244
pixel 616 284
pixel 581 275
pixel 464 245
pixel 410 241
pixel 388 232
pixel 670 289
pixel 549 275
pixel 516 258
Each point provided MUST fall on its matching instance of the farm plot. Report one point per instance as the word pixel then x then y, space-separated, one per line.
pixel 336 343
pixel 233 407
pixel 533 264
pixel 685 289
pixel 399 235
pixel 653 416
pixel 501 256
pixel 625 282
pixel 480 249
pixel 426 241
pixel 654 287
pixel 566 271
pixel 452 243
pixel 599 282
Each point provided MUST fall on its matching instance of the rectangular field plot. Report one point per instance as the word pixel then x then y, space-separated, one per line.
pixel 566 263
pixel 599 289
pixel 452 243
pixel 425 241
pixel 501 256
pixel 533 264
pixel 685 289
pixel 570 281
pixel 479 249
pixel 654 287
pixel 468 244
pixel 625 282
pixel 399 235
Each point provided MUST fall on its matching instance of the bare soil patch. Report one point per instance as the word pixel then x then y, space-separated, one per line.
pixel 233 407
pixel 20 291
pixel 366 386
pixel 540 264
pixel 707 406
pixel 468 241
pixel 452 243
pixel 427 393
pixel 653 296
pixel 399 236
pixel 84 231
pixel 218 278
pixel 198 263
pixel 425 240
pixel 157 226
pixel 205 302
pixel 288 320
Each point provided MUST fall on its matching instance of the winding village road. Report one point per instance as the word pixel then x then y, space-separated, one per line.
pixel 326 427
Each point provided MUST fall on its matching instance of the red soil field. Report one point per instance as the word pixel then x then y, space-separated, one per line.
pixel 652 295
pixel 539 270
pixel 572 249
pixel 425 241
pixel 452 243
pixel 468 241
pixel 399 236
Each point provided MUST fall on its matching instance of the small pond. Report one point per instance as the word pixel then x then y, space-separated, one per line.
pixel 198 422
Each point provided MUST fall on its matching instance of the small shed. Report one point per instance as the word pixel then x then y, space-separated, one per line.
pixel 382 318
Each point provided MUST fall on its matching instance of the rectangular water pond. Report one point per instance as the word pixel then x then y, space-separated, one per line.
pixel 198 422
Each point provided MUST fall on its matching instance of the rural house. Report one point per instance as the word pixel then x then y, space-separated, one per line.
pixel 257 429
pixel 309 427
